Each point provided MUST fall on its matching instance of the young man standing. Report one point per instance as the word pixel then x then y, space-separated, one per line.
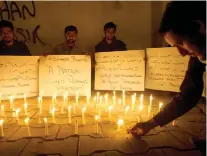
pixel 8 45
pixel 185 29
pixel 110 43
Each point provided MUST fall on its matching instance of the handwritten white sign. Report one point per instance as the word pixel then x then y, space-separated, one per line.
pixel 120 70
pixel 60 74
pixel 19 75
pixel 165 69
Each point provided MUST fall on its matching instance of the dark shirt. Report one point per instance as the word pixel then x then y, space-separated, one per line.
pixel 190 93
pixel 17 49
pixel 116 45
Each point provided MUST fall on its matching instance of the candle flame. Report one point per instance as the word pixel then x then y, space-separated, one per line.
pixel 84 109
pixel 25 105
pixel 26 120
pixel 1 122
pixel 2 106
pixel 18 110
pixel 160 105
pixel 151 97
pixel 39 99
pixel 53 110
pixel 110 108
pixel 45 120
pixel 120 122
pixel 127 108
pixel 94 98
pixel 97 117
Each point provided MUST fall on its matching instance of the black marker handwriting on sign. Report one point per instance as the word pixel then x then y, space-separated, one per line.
pixel 63 70
pixel 11 9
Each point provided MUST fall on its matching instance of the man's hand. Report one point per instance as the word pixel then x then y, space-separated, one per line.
pixel 142 128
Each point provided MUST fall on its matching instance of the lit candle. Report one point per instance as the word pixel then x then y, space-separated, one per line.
pixel 25 108
pixel 123 97
pixel 0 97
pixel 114 97
pixel 27 124
pixel 11 102
pixel 25 98
pixel 64 103
pixel 100 101
pixel 119 101
pixel 46 127
pixel 53 115
pixel 2 127
pixel 149 111
pixel 54 99
pixel 97 97
pixel 74 108
pixel 126 110
pixel 110 108
pixel 41 94
pixel 88 97
pixel 160 106
pixel 69 114
pixel 133 101
pixel 2 110
pixel 96 120
pixel 99 114
pixel 106 98
pixel 120 123
pixel 141 102
pixel 77 96
pixel 151 100
pixel 17 115
pixel 83 115
pixel 40 105
pixel 76 127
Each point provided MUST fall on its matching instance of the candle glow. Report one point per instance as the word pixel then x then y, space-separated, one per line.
pixel 96 120
pixel 53 115
pixel 160 106
pixel 2 128
pixel 120 123
pixel 83 115
pixel 2 110
pixel 46 127
pixel 27 124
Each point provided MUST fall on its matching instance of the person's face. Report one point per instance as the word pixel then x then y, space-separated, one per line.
pixel 185 46
pixel 71 37
pixel 7 34
pixel 110 33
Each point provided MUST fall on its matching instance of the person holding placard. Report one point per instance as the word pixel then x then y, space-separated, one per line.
pixel 184 28
pixel 110 43
pixel 8 45
pixel 70 46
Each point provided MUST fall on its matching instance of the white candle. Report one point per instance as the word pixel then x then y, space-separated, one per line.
pixel 151 100
pixel 123 97
pixel 41 94
pixel 88 97
pixel 119 101
pixel 40 105
pixel 160 106
pixel 69 115
pixel 114 97
pixel 110 109
pixel 77 97
pixel 101 98
pixel 53 115
pixel 120 123
pixel 17 115
pixel 126 110
pixel 11 102
pixel 54 99
pixel 25 108
pixel 2 110
pixel 149 111
pixel 133 101
pixel 97 97
pixel 96 120
pixel 83 115
pixel 0 97
pixel 25 98
pixel 46 127
pixel 76 127
pixel 74 108
pixel 106 98
pixel 141 102
pixel 27 124
pixel 64 103
pixel 2 127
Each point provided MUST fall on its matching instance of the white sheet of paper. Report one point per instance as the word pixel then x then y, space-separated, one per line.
pixel 165 69
pixel 19 75
pixel 65 73
pixel 123 70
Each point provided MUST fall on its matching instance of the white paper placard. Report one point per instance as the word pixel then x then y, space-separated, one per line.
pixel 18 75
pixel 123 70
pixel 65 73
pixel 165 69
